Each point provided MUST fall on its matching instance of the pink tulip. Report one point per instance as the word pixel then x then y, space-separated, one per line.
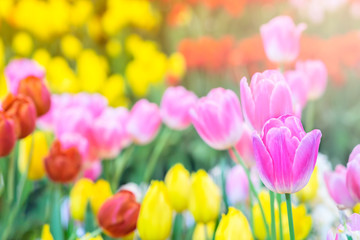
pixel 144 122
pixel 109 134
pixel 355 153
pixel 93 171
pixel 269 96
pixel 237 185
pixel 298 83
pixel 20 69
pixel 281 39
pixel 69 140
pixel 175 107
pixel 217 118
pixel 317 77
pixel 244 147
pixel 353 223
pixel 352 178
pixel 285 154
pixel 336 185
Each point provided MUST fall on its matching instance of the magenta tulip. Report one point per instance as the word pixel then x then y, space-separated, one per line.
pixel 336 185
pixel 281 39
pixel 355 153
pixel 175 106
pixel 269 96
pixel 144 122
pixel 352 178
pixel 217 118
pixel 285 154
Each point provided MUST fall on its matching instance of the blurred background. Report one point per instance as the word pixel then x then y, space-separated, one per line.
pixel 132 49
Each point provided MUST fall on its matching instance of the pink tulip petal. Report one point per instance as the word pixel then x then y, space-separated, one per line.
pixel 280 100
pixel 247 101
pixel 305 159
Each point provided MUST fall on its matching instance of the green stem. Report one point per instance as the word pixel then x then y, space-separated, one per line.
pixel 251 214
pixel 11 178
pixel 223 186
pixel 120 165
pixel 178 224
pixel 253 190
pixel 156 154
pixel 206 232
pixel 278 199
pixel 93 234
pixel 290 217
pixel 310 112
pixel 273 224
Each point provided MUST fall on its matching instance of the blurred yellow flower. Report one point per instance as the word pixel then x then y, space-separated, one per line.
pixel 42 56
pixel 3 86
pixel 114 89
pixel 176 65
pixel 94 28
pixel 302 221
pixel 79 198
pixel 6 8
pixel 61 77
pixel 205 198
pixel 356 208
pixel 98 237
pixel 80 12
pixel 233 225
pixel 22 44
pixel 2 55
pixel 101 191
pixel 113 47
pixel 199 232
pixel 155 217
pixel 178 183
pixel 34 145
pixel 70 46
pixel 310 190
pixel 45 233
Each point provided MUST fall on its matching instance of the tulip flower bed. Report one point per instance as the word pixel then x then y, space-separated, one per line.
pixel 179 119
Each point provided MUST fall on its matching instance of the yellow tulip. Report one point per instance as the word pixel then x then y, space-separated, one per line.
pixel 310 190
pixel 79 198
pixel 70 46
pixel 176 65
pixel 98 237
pixel 3 86
pixel 155 217
pixel 356 208
pixel 2 58
pixel 114 89
pixel 42 56
pixel 113 48
pixel 45 233
pixel 22 44
pixel 177 181
pixel 80 12
pixel 199 232
pixel 302 221
pixel 101 192
pixel 36 145
pixel 234 225
pixel 205 198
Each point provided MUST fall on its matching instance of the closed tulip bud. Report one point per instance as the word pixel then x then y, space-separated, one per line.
pixel 234 225
pixel 217 118
pixel 62 164
pixel 281 39
pixel 45 233
pixel 268 96
pixel 119 214
pixel 79 198
pixel 177 181
pixel 36 146
pixel 22 110
pixel 144 122
pixel 36 89
pixel 285 154
pixel 7 134
pixel 101 192
pixel 352 178
pixel 175 106
pixel 205 198
pixel 201 229
pixel 155 218
pixel 336 186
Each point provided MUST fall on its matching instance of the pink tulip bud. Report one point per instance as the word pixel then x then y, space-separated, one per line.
pixel 336 185
pixel 93 171
pixel 355 154
pixel 175 107
pixel 281 39
pixel 237 185
pixel 245 147
pixel 317 77
pixel 298 83
pixel 285 154
pixel 144 122
pixel 217 118
pixel 269 96
pixel 352 178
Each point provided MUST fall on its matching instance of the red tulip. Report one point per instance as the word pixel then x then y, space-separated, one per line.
pixel 23 111
pixel 7 134
pixel 118 215
pixel 62 165
pixel 36 89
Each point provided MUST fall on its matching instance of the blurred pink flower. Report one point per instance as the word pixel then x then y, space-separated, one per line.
pixel 93 171
pixel 317 77
pixel 217 118
pixel 269 96
pixel 245 147
pixel 20 69
pixel 237 185
pixel 175 106
pixel 285 154
pixel 352 178
pixel 281 39
pixel 355 153
pixel 71 139
pixel 298 83
pixel 336 186
pixel 144 122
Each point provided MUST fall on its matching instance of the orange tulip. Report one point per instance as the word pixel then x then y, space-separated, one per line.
pixel 7 134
